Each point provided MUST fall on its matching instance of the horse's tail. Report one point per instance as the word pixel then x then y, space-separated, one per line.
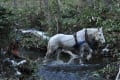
pixel 36 33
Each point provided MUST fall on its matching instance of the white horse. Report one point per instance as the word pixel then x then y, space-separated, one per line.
pixel 68 41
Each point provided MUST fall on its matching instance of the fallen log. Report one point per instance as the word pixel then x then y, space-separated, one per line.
pixel 72 67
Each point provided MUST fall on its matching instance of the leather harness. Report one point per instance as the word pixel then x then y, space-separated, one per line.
pixel 78 44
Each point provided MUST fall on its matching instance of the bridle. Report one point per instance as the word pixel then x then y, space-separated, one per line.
pixel 92 43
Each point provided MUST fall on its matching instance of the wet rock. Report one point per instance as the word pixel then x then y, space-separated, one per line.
pixel 62 75
pixel 52 75
pixel 57 62
pixel 73 68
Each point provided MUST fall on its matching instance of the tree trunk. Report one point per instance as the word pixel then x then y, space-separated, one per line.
pixel 58 17
pixel 47 13
pixel 15 4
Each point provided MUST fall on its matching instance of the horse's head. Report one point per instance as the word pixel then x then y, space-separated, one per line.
pixel 99 35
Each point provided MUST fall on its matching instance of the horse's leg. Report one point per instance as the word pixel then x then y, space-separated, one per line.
pixel 58 54
pixel 90 53
pixel 49 52
pixel 81 52
pixel 46 58
pixel 71 60
pixel 73 56
pixel 70 53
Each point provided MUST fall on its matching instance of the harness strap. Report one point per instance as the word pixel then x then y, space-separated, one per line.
pixel 75 37
pixel 77 44
pixel 86 37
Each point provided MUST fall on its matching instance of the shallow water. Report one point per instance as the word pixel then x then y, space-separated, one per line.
pixel 63 75
pixel 58 70
pixel 57 75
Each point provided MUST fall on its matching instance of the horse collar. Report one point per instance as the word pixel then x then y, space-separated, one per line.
pixel 77 44
pixel 86 37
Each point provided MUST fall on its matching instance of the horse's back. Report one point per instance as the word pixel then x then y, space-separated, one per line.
pixel 66 40
pixel 54 40
pixel 60 40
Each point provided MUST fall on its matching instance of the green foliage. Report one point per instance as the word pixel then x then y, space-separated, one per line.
pixel 73 15
pixel 30 40
pixel 4 19
pixel 5 25
pixel 94 14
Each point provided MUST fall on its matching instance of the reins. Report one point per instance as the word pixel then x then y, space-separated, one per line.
pixel 75 37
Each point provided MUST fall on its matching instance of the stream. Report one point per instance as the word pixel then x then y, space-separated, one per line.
pixel 58 70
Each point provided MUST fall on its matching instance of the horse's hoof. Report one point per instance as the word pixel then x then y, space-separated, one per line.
pixel 45 61
pixel 44 64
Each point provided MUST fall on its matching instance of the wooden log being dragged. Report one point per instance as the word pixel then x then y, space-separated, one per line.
pixel 71 67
